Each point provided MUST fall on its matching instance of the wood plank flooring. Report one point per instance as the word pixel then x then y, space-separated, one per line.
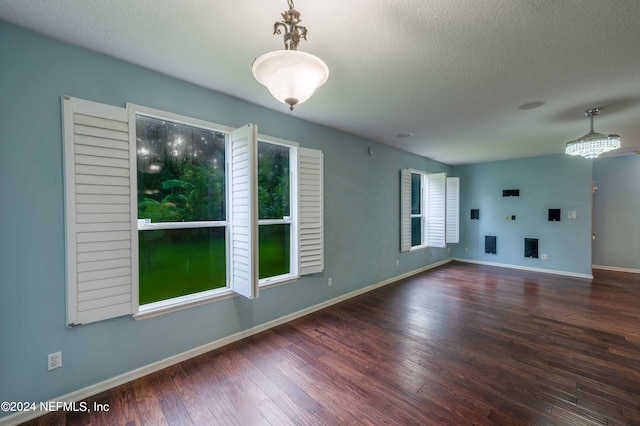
pixel 458 345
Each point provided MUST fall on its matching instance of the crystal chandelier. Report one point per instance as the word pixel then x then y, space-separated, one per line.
pixel 290 76
pixel 592 144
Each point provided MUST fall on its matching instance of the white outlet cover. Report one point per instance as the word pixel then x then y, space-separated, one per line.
pixel 54 361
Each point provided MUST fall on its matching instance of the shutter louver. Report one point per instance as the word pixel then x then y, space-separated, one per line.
pixel 244 213
pixel 405 210
pixel 453 210
pixel 98 217
pixel 311 212
pixel 436 210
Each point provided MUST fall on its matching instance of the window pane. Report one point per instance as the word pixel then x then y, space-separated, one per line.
pixel 415 193
pixel 273 181
pixel 180 172
pixel 416 231
pixel 177 262
pixel 274 250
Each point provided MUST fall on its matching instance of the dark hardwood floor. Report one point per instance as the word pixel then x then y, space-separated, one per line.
pixel 461 344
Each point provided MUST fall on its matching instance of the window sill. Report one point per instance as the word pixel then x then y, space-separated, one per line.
pixel 162 307
pixel 278 280
pixel 418 248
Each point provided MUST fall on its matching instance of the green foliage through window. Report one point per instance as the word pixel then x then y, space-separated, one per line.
pixel 181 178
pixel 181 173
pixel 273 203
pixel 274 249
pixel 177 262
pixel 273 181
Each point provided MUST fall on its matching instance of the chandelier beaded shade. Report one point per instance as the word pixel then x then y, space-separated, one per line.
pixel 593 144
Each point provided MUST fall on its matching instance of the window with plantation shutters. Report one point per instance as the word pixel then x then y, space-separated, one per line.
pixel 428 210
pixel 162 211
pixel 98 219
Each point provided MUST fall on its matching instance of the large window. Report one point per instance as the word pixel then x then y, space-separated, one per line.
pixel 181 209
pixel 164 212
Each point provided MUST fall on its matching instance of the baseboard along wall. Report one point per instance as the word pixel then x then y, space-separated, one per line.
pixel 121 379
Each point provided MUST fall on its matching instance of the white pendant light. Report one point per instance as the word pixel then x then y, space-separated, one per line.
pixel 593 144
pixel 290 76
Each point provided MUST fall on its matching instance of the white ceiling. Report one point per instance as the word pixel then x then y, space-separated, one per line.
pixel 452 72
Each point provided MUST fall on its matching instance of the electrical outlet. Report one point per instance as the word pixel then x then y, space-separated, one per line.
pixel 397 262
pixel 54 361
pixel 544 256
pixel 330 282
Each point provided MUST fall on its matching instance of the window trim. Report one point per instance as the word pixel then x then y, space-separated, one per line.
pixel 146 226
pixel 292 219
pixel 181 302
pixel 423 213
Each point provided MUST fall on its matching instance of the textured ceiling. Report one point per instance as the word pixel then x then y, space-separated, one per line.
pixel 452 72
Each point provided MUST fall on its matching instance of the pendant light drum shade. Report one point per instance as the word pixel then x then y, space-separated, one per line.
pixel 291 76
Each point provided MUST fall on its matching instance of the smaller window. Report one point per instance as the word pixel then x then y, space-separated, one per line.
pixel 276 212
pixel 417 211
pixel 425 203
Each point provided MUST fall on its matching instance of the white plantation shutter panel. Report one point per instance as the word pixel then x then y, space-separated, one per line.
pixel 436 209
pixel 243 176
pixel 97 209
pixel 405 210
pixel 453 210
pixel 311 213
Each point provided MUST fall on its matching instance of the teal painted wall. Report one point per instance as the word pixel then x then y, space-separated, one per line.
pixel 616 212
pixel 557 181
pixel 362 222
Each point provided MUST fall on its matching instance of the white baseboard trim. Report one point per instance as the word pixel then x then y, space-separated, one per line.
pixel 616 268
pixel 526 268
pixel 105 385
